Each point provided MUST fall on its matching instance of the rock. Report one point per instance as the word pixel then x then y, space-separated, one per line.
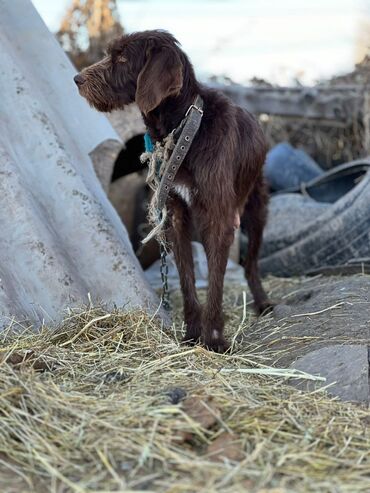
pixel 175 394
pixel 122 194
pixel 226 446
pixel 281 311
pixel 287 167
pixel 116 376
pixel 344 366
pixel 202 411
pixel 20 359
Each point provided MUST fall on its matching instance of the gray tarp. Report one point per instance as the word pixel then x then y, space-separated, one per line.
pixel 60 237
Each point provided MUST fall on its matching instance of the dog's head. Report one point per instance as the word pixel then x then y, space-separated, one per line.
pixel 145 67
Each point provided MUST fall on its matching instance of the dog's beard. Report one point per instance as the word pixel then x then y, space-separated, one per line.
pixel 104 104
pixel 96 101
pixel 102 107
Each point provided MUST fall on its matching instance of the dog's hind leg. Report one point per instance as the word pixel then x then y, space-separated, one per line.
pixel 253 221
pixel 179 234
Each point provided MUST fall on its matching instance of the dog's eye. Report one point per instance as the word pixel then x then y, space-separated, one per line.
pixel 121 59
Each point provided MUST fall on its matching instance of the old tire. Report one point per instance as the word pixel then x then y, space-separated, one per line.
pixel 337 234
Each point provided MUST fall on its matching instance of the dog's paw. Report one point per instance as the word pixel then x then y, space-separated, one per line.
pixel 216 343
pixel 264 308
pixel 192 334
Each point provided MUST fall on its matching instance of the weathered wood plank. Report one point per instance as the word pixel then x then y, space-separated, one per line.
pixel 328 103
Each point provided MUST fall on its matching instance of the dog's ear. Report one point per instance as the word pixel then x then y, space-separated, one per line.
pixel 161 77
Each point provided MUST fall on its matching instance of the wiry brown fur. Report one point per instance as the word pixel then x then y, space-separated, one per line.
pixel 222 170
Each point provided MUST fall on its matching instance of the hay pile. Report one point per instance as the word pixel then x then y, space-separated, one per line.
pixel 111 402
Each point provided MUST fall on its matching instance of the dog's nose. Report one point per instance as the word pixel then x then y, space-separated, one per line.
pixel 79 80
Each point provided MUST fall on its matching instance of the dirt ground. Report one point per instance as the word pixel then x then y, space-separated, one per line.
pixel 311 313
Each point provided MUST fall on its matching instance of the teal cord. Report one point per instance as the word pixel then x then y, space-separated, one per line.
pixel 149 147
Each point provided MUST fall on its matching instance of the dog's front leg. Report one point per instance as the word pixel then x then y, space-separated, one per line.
pixel 180 236
pixel 217 237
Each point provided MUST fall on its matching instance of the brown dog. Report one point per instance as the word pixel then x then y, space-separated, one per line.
pixel 220 183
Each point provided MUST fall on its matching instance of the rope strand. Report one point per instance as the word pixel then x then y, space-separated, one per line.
pixel 157 161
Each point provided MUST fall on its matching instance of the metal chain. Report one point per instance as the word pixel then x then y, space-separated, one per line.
pixel 164 276
pixel 163 253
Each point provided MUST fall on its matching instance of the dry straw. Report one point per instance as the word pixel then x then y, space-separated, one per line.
pixel 111 402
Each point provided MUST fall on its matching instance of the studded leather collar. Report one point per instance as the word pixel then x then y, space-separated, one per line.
pixel 188 129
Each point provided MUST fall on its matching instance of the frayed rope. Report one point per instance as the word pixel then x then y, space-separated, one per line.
pixel 157 157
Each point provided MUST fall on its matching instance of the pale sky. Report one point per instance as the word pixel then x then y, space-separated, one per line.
pixel 273 39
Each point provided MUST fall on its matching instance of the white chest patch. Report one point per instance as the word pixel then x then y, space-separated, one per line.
pixel 184 192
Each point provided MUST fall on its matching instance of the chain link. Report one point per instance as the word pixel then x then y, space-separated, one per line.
pixel 164 276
